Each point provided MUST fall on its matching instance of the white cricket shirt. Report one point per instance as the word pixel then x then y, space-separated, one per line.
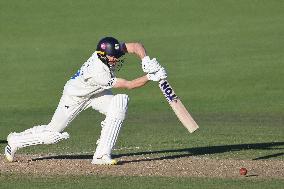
pixel 92 78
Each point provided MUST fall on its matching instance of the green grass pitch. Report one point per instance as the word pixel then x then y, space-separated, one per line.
pixel 224 59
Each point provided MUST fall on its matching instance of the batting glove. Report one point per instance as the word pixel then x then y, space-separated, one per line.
pixel 150 65
pixel 157 76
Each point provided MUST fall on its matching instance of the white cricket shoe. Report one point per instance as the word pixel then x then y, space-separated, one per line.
pixel 10 149
pixel 104 160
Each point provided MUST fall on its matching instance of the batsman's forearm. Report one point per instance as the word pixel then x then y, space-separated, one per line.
pixel 139 82
pixel 136 83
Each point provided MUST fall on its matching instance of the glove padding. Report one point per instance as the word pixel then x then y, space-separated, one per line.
pixel 157 76
pixel 150 65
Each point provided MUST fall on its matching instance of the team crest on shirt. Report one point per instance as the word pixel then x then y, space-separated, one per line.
pixel 110 82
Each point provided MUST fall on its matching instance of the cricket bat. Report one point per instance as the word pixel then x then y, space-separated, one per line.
pixel 177 106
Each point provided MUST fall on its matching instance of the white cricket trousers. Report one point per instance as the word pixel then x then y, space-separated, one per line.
pixel 69 107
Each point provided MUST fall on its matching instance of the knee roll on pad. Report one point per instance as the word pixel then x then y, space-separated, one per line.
pixel 50 137
pixel 118 106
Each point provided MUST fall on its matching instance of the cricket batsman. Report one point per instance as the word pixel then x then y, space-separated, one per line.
pixel 90 87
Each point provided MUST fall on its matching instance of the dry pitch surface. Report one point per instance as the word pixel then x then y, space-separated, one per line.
pixel 51 165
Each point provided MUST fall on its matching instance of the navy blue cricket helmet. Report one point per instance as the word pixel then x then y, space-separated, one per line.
pixel 111 47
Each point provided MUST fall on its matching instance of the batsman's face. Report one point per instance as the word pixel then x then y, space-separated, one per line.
pixel 112 60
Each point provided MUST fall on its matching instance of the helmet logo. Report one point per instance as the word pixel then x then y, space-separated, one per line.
pixel 103 46
pixel 116 46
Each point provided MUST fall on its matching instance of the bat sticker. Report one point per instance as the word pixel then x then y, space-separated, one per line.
pixel 168 91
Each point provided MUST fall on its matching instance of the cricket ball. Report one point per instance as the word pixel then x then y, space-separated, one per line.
pixel 243 171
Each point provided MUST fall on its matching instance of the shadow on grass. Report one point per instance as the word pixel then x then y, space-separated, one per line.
pixel 184 152
pixel 269 156
pixel 3 141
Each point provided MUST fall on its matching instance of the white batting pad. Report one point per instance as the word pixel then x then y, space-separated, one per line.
pixel 118 106
pixel 108 137
pixel 35 129
pixel 20 140
pixel 111 125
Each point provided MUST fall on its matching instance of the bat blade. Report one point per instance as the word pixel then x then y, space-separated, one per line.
pixel 178 107
pixel 184 116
